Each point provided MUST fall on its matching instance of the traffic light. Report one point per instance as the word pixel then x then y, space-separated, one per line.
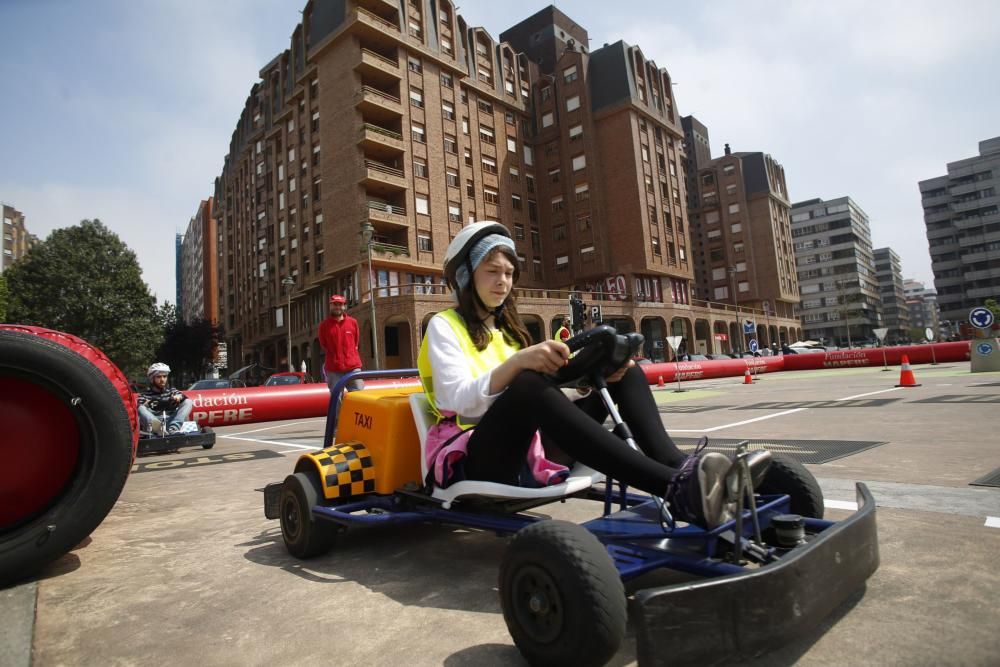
pixel 578 314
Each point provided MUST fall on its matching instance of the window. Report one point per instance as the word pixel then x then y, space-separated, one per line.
pixel 519 232
pixel 452 177
pixel 587 253
pixel 656 246
pixel 508 117
pixel 515 202
pixel 582 192
pixel 485 107
pixel 546 93
pixel 291 156
pixel 530 182
pixel 562 262
pixel 738 248
pixel 454 213
pixel 446 46
pixel 489 165
pixel 730 189
pixel 557 203
pixel 528 156
pixel 448 110
pixel 573 103
pixel 570 75
pixel 424 242
pixel 450 144
pixel 291 185
pixel 583 222
pixel 547 119
pixel 486 135
pixel 418 133
pixel 465 125
pixel 734 208
pixel 645 154
pixel 744 286
pixel 741 267
pixel 511 145
pixel 713 234
pixel 515 175
pixel 579 162
pixel 559 232
pixel 491 196
pixel 711 217
pixel 721 292
pixel 536 267
pixel 416 97
pixel 281 172
pixel 468 157
pixel 736 228
pixel 419 167
pixel 576 132
pixel 554 175
pixel 414 65
pixel 446 80
pixel 719 273
pixel 470 189
pixel 728 170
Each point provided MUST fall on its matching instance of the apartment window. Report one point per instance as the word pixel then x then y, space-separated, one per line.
pixel 728 170
pixel 419 167
pixel 281 172
pixel 744 286
pixel 465 125
pixel 645 154
pixel 447 81
pixel 730 189
pixel 414 65
pixel 529 182
pixel 529 156
pixel 470 189
pixel 711 217
pixel 546 93
pixel 291 156
pixel 489 165
pixel 583 222
pixel 573 103
pixel 468 157
pixel 511 145
pixel 559 233
pixel 587 253
pixel 281 201
pixel 683 254
pixel 452 177
pixel 713 234
pixel 582 192
pixel 734 208
pixel 562 262
pixel 553 175
pixel 515 202
pixel 291 185
pixel 557 203
pixel 738 248
pixel 570 75
pixel 446 47
pixel 536 266
pixel 416 97
pixel 418 133
pixel 649 183
pixel 547 119
pixel 721 292
pixel 486 135
pixel 508 85
pixel 485 107
pixel 315 156
pixel 656 246
pixel 415 32
pixel 424 242
pixel 532 210
pixel 741 267
pixel 579 162
pixel 719 273
pixel 508 117
pixel 450 144
pixel 454 213
pixel 448 110
pixel 736 228
pixel 576 132
pixel 491 196
pixel 515 175
pixel 522 262
pixel 519 232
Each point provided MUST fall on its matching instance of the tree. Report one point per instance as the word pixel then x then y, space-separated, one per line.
pixel 85 281
pixel 3 298
pixel 188 348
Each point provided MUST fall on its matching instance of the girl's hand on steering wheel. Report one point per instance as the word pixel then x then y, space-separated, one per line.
pixel 620 373
pixel 545 357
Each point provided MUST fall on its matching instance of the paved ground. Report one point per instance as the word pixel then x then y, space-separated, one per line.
pixel 186 570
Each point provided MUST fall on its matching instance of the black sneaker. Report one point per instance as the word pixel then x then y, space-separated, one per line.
pixel 697 493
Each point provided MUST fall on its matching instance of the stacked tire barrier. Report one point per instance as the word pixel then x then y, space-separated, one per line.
pixel 68 434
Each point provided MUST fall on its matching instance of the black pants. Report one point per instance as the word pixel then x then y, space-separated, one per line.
pixel 499 444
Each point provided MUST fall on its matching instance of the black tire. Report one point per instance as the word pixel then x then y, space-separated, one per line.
pixel 304 535
pixel 103 451
pixel 786 475
pixel 207 430
pixel 562 598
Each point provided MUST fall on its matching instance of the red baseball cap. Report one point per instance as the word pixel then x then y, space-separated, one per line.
pixel 336 298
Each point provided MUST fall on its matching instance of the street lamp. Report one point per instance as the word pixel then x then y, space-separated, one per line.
pixel 367 233
pixel 288 282
pixel 736 302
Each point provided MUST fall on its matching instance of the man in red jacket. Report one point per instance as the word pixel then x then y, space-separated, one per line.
pixel 339 335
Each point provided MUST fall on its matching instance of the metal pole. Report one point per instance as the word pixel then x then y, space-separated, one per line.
pixel 290 329
pixel 371 286
pixel 736 302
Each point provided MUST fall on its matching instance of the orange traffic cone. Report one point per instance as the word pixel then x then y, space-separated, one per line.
pixel 747 378
pixel 906 378
pixel 659 382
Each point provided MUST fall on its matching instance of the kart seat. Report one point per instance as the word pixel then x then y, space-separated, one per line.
pixel 580 477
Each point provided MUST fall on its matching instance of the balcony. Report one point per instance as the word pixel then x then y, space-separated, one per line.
pixel 378 29
pixel 375 6
pixel 377 67
pixel 381 178
pixel 378 105
pixel 384 215
pixel 375 138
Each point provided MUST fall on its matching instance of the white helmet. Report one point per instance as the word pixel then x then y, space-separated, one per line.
pixel 156 369
pixel 464 241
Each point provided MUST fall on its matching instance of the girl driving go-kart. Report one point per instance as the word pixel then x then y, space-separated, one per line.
pixel 497 399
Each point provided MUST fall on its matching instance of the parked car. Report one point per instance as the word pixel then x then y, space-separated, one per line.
pixel 216 383
pixel 289 377
pixel 713 357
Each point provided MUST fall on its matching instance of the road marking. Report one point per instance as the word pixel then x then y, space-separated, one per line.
pixel 871 393
pixel 268 428
pixel 992 522
pixel 745 421
pixel 840 504
pixel 273 442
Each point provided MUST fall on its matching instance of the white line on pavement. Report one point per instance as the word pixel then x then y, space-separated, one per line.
pixel 268 428
pixel 871 393
pixel 746 421
pixel 272 442
pixel 992 522
pixel 840 504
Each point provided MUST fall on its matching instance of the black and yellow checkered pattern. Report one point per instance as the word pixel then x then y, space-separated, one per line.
pixel 346 469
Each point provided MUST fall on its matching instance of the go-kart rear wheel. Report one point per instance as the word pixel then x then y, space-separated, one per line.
pixel 304 535
pixel 207 430
pixel 561 595
pixel 786 475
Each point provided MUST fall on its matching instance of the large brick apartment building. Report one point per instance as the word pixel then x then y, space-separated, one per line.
pixel 386 127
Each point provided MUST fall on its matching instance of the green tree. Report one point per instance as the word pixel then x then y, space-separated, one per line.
pixel 85 281
pixel 994 308
pixel 3 298
pixel 188 348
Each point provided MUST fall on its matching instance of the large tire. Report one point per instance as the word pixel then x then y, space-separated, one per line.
pixel 562 598
pixel 786 475
pixel 68 444
pixel 304 535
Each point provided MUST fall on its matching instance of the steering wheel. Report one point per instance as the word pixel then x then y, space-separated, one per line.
pixel 602 350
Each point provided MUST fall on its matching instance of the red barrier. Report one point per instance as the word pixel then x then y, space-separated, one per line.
pixel 861 357
pixel 224 407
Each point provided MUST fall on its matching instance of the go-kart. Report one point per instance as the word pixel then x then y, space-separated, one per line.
pixel 189 435
pixel 756 582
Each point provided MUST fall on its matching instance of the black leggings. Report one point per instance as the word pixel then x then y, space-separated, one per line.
pixel 499 444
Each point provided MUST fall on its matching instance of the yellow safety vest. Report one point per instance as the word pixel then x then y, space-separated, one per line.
pixel 480 362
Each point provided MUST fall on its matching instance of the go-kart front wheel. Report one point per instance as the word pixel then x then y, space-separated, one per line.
pixel 208 430
pixel 304 535
pixel 786 475
pixel 561 595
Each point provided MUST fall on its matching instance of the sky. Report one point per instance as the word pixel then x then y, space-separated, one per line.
pixel 124 110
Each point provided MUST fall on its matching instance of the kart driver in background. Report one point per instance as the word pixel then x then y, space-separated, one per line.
pixel 478 366
pixel 161 399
